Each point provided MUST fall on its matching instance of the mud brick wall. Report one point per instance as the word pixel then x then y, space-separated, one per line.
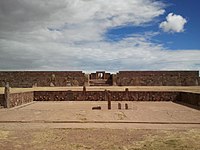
pixel 190 98
pixel 157 78
pixel 17 99
pixel 100 96
pixel 42 78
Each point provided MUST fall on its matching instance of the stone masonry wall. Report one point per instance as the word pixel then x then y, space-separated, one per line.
pixel 78 78
pixel 190 98
pixel 42 78
pixel 157 78
pixel 2 100
pixel 17 99
pixel 199 81
pixel 101 96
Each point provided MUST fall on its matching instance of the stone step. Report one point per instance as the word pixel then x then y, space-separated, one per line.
pixel 99 85
pixel 98 82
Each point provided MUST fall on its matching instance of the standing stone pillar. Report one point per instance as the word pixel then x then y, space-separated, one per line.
pixel 126 106
pixel 84 89
pixel 53 80
pixel 114 79
pixel 109 103
pixel 7 95
pixel 107 98
pixel 87 80
pixel 126 94
pixel 84 93
pixel 196 82
pixel 119 106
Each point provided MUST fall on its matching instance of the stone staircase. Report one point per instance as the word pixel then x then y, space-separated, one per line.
pixel 98 82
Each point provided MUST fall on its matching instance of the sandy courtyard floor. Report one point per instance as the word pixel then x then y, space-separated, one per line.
pixel 75 126
pixel 79 114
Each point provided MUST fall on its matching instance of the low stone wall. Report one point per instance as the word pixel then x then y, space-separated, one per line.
pixel 17 99
pixel 189 98
pixel 2 100
pixel 104 95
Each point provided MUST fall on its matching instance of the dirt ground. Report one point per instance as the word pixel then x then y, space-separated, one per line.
pixel 81 111
pixel 99 139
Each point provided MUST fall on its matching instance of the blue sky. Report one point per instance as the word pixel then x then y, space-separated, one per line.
pixel 92 35
pixel 189 39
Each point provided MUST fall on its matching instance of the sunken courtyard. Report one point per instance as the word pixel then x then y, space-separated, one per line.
pixel 65 107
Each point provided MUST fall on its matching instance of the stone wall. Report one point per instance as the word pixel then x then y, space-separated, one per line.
pixel 42 78
pixel 17 99
pixel 2 100
pixel 185 97
pixel 190 98
pixel 157 78
pixel 78 78
pixel 101 96
pixel 95 75
pixel 199 81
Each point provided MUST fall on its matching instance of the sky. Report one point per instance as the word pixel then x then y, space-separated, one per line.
pixel 95 35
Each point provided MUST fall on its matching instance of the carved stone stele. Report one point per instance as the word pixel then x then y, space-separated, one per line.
pixel 7 95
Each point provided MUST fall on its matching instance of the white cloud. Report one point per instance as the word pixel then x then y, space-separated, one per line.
pixel 69 35
pixel 76 18
pixel 173 23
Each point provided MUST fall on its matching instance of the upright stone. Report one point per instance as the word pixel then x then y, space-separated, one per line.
pixel 109 103
pixel 114 79
pixel 126 94
pixel 53 80
pixel 196 82
pixel 126 106
pixel 87 79
pixel 84 93
pixel 119 106
pixel 107 97
pixel 7 95
pixel 84 89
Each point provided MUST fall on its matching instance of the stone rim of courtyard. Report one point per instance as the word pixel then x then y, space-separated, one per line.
pixel 92 124
pixel 192 89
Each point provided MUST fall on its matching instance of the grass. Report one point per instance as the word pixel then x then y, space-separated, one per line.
pixel 98 139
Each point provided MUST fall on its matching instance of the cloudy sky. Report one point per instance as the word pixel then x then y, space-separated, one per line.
pixel 94 35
